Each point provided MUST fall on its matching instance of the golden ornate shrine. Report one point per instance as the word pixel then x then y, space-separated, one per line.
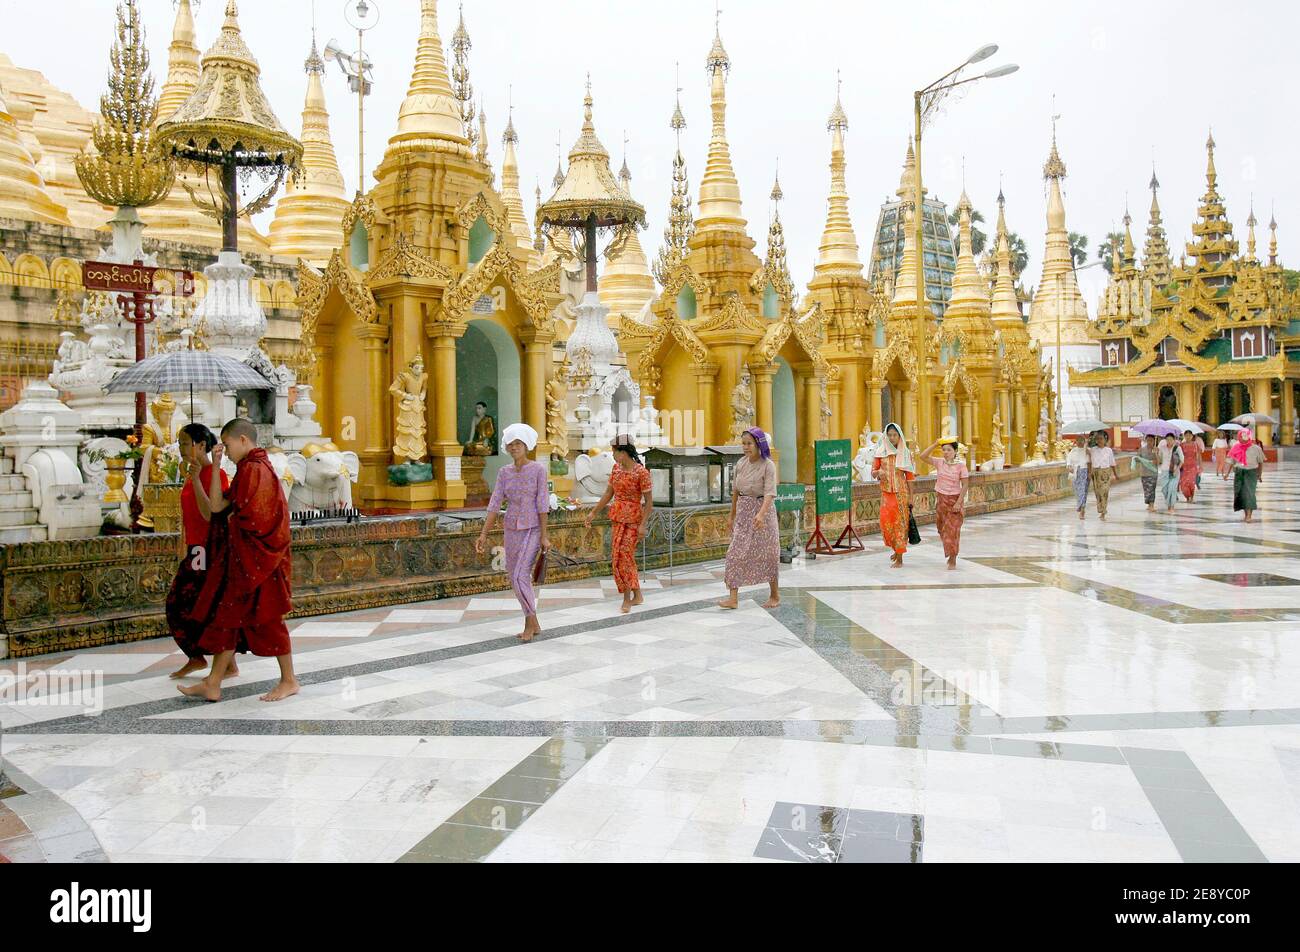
pixel 1205 340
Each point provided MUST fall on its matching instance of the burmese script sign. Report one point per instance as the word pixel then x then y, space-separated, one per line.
pixel 130 278
pixel 834 475
pixel 789 497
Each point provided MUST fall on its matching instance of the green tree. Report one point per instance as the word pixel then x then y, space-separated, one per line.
pixel 1106 250
pixel 1019 253
pixel 1078 248
pixel 978 239
pixel 1291 278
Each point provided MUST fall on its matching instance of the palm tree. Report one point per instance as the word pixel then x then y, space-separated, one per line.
pixel 1106 250
pixel 1078 248
pixel 1019 253
pixel 978 239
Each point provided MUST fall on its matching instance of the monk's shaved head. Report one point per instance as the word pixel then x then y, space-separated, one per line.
pixel 237 428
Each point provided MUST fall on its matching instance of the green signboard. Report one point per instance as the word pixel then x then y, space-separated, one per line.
pixel 833 459
pixel 789 497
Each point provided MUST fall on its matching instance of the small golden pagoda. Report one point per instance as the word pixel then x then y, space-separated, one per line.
pixel 723 315
pixel 852 307
pixel 427 266
pixel 1211 341
pixel 627 287
pixel 308 215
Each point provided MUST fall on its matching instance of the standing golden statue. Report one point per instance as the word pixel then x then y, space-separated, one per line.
pixel 557 430
pixel 410 388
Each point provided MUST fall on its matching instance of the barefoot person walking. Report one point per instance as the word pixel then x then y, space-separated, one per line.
pixel 951 480
pixel 246 593
pixel 1102 469
pixel 894 469
pixel 522 485
pixel 629 488
pixel 754 555
pixel 1076 461
pixel 1246 460
pixel 196 442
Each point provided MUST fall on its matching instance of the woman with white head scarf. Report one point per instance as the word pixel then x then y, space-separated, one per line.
pixel 522 485
pixel 894 468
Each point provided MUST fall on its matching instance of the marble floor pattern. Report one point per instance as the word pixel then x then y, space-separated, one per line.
pixel 1118 691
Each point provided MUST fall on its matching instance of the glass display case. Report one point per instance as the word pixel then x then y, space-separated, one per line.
pixel 679 475
pixel 721 468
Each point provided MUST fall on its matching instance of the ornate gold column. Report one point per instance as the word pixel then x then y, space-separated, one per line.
pixel 1262 402
pixel 812 415
pixel 537 352
pixel 1019 434
pixel 1187 409
pixel 873 407
pixel 375 449
pixel 1287 436
pixel 763 377
pixel 445 449
pixel 705 376
pixel 1212 411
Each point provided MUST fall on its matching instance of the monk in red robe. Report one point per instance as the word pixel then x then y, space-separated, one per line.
pixel 246 593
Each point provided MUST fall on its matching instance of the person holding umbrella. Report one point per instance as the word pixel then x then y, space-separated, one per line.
pixel 1220 449
pixel 1171 463
pixel 1076 462
pixel 1191 469
pixel 1148 457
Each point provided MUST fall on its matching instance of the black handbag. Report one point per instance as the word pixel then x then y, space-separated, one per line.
pixel 913 532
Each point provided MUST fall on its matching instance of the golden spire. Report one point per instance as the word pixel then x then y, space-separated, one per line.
pixel 969 290
pixel 1155 253
pixel 22 190
pixel 839 245
pixel 1058 307
pixel 460 85
pixel 776 255
pixel 1211 174
pixel 681 225
pixel 182 62
pixel 1006 308
pixel 1129 257
pixel 1213 232
pixel 510 195
pixel 128 165
pixel 1057 259
pixel 627 285
pixel 719 188
pixel 905 281
pixel 1272 241
pixel 430 111
pixel 1250 234
pixel 558 180
pixel 907 184
pixel 481 145
pixel 308 216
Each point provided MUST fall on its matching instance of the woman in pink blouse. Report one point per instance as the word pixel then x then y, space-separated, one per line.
pixel 522 485
pixel 951 477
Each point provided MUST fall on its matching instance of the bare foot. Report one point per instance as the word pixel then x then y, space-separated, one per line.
pixel 281 691
pixel 728 603
pixel 1081 515
pixel 231 672
pixel 190 666
pixel 896 564
pixel 772 602
pixel 637 599
pixel 204 691
pixel 952 562
pixel 625 607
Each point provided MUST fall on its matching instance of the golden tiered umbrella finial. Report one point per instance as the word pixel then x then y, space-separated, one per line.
pixel 128 167
pixel 589 198
pixel 227 126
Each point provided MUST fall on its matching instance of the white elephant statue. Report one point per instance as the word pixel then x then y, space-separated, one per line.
pixel 862 462
pixel 322 477
pixel 279 462
pixel 592 475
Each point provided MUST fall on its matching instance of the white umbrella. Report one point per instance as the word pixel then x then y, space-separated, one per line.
pixel 1230 427
pixel 1255 419
pixel 1185 426
pixel 1083 427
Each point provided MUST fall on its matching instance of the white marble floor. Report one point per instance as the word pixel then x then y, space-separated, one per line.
pixel 1075 692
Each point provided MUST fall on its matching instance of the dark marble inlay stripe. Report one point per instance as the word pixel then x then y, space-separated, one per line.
pixel 480 826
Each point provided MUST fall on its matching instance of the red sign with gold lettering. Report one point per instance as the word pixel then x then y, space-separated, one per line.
pixel 130 278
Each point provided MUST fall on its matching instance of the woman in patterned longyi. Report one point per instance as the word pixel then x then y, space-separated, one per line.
pixel 629 500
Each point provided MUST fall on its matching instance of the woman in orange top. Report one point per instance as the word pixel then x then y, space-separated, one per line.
pixel 894 468
pixel 629 513
pixel 195 442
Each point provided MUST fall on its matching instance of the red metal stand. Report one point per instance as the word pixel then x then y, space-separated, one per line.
pixel 819 544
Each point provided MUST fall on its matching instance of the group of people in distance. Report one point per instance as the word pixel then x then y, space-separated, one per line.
pixel 1169 466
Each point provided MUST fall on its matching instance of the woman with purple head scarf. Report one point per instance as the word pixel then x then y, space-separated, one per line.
pixel 755 551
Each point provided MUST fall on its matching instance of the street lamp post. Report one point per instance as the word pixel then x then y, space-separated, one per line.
pixel 363 15
pixel 924 100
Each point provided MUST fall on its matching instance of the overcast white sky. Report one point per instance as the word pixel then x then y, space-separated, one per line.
pixel 1130 78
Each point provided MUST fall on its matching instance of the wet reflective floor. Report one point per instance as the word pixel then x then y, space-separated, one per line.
pixel 1126 690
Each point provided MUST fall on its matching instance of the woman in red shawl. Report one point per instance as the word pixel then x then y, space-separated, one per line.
pixel 246 594
pixel 1191 470
pixel 894 468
